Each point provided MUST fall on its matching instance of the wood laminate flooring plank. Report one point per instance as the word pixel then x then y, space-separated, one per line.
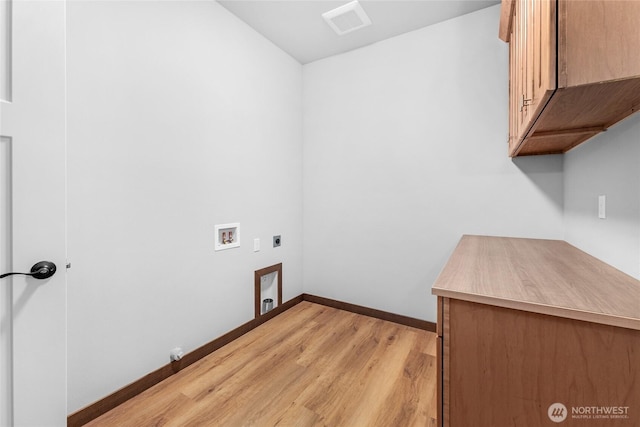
pixel 310 366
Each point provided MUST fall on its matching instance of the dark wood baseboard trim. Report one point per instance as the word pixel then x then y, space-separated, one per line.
pixel 372 312
pixel 93 411
pixel 209 348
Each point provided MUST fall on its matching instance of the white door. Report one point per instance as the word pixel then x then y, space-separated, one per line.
pixel 32 209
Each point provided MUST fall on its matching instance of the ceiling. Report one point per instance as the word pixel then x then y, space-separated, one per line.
pixel 297 26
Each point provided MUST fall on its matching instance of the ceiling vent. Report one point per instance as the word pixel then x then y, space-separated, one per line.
pixel 347 18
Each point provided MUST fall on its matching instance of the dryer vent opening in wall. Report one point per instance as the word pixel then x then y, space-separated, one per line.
pixel 347 18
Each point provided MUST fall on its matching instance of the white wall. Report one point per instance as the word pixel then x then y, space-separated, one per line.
pixel 609 165
pixel 180 117
pixel 405 150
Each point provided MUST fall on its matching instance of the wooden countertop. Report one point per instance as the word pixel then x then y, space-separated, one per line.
pixel 541 276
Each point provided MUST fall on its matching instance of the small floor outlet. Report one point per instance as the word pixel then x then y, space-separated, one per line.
pixel 176 354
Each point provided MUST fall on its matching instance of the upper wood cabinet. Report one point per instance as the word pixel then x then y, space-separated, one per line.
pixel 574 70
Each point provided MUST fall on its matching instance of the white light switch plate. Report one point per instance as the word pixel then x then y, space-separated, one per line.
pixel 256 245
pixel 602 207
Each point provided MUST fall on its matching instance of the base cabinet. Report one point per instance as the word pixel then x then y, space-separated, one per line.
pixel 506 367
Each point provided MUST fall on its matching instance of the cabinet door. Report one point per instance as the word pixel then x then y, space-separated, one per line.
pixel 516 77
pixel 513 91
pixel 532 65
pixel 543 59
pixel 526 97
pixel 520 73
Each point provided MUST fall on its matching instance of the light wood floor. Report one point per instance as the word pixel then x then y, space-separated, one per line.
pixel 310 366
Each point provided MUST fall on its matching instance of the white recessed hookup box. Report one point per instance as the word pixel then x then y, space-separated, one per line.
pixel 227 236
